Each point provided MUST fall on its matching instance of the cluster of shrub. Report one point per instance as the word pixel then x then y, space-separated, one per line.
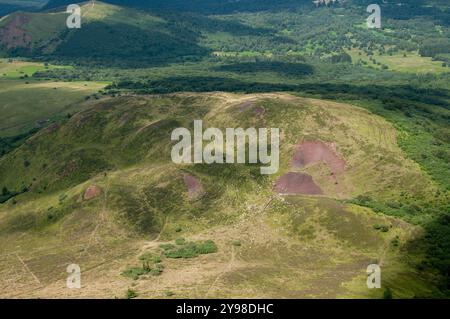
pixel 152 262
pixel 6 194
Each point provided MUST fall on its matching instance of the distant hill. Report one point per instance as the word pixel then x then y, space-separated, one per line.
pixel 100 190
pixel 178 31
pixel 108 33
pixel 199 6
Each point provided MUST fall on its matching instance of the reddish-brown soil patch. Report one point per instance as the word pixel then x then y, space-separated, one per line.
pixel 12 35
pixel 297 183
pixel 51 128
pixel 82 118
pixel 246 106
pixel 317 152
pixel 194 187
pixel 92 192
pixel 257 110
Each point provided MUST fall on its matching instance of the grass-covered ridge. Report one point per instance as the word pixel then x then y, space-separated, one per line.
pixel 122 146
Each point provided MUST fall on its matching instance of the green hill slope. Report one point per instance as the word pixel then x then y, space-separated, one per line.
pixel 101 190
pixel 109 34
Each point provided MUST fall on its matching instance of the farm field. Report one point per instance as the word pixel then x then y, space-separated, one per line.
pixel 25 101
pixel 402 62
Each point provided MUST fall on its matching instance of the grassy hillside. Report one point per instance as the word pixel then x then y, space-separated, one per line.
pixel 121 147
pixel 25 105
pixel 86 175
pixel 28 103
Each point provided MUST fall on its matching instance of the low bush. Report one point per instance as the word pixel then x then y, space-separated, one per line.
pixel 131 294
pixel 189 249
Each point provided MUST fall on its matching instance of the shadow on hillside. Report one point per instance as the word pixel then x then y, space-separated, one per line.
pixel 123 45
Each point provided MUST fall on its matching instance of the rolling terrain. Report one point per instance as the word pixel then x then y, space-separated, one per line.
pixel 8 6
pixel 29 104
pixel 268 245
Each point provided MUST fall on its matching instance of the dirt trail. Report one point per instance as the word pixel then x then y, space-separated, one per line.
pixel 228 268
pixel 101 221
